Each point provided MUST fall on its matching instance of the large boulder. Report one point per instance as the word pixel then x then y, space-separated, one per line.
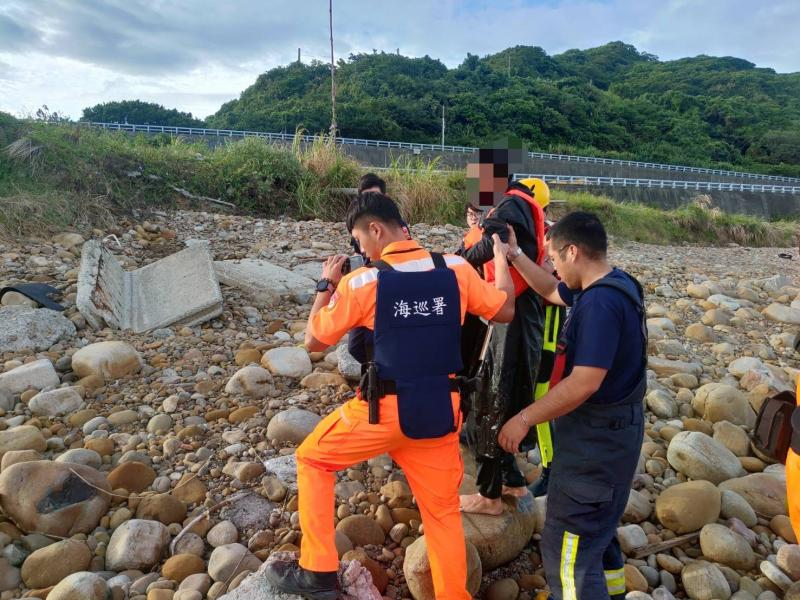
pixel 763 491
pixel 37 375
pixel 417 570
pixel 36 329
pixel 287 362
pixel 699 456
pixel 500 539
pixel 292 425
pixel 687 507
pixel 136 544
pixel 107 360
pixel 54 498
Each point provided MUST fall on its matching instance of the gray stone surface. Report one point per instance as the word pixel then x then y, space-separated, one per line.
pixel 264 282
pixel 26 328
pixel 285 469
pixel 180 289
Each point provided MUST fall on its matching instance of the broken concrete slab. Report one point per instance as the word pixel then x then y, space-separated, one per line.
pixel 263 282
pixel 180 289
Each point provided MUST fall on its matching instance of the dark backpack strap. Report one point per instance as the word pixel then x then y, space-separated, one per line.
pixel 637 300
pixel 438 261
pixel 381 265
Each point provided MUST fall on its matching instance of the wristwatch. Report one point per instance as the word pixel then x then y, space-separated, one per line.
pixel 514 254
pixel 325 285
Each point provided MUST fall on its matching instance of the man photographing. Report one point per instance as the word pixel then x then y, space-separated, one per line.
pixel 407 404
pixel 596 404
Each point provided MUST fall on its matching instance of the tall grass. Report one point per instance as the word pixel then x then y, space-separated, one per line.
pixel 52 176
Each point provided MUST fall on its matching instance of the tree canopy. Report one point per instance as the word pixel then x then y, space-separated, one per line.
pixel 136 111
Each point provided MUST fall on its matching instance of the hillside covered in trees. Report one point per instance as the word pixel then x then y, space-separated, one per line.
pixel 136 111
pixel 610 101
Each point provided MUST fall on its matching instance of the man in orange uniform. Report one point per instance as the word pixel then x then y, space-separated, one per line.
pixel 407 405
pixel 793 469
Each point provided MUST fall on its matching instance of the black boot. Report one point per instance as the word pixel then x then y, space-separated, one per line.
pixel 291 578
pixel 539 487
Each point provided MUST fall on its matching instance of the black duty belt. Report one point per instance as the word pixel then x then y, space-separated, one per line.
pixel 388 387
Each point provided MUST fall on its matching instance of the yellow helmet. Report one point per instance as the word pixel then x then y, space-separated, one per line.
pixel 541 191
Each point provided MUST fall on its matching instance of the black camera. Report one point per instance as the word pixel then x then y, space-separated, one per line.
pixel 352 263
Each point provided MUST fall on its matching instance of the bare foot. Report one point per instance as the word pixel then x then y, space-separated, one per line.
pixel 517 492
pixel 477 504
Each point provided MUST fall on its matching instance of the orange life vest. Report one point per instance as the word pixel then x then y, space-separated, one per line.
pixel 472 237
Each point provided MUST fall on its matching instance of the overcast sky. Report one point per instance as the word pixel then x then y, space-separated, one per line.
pixel 196 54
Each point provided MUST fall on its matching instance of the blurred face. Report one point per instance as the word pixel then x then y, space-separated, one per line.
pixel 484 186
pixel 473 217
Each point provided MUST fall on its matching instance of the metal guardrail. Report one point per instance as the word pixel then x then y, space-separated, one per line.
pixel 234 133
pixel 661 183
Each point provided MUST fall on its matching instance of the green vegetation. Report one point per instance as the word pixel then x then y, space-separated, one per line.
pixel 610 101
pixel 54 176
pixel 136 111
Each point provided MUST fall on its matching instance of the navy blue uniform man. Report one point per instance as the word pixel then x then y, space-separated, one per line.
pixel 597 407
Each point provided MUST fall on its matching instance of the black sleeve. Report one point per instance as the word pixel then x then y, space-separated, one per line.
pixel 507 212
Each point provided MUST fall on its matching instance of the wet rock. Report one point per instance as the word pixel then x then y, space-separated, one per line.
pixel 36 329
pixel 53 498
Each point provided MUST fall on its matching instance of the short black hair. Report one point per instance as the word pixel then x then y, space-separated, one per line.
pixel 584 230
pixel 376 205
pixel 370 180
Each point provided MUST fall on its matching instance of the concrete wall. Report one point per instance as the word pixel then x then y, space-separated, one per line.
pixel 757 204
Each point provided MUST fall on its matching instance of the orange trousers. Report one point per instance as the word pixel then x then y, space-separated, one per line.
pixel 793 482
pixel 793 490
pixel 434 470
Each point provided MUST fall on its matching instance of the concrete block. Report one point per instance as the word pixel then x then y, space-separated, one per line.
pixel 263 282
pixel 180 289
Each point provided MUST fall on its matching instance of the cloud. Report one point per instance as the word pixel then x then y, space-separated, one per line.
pixel 195 54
